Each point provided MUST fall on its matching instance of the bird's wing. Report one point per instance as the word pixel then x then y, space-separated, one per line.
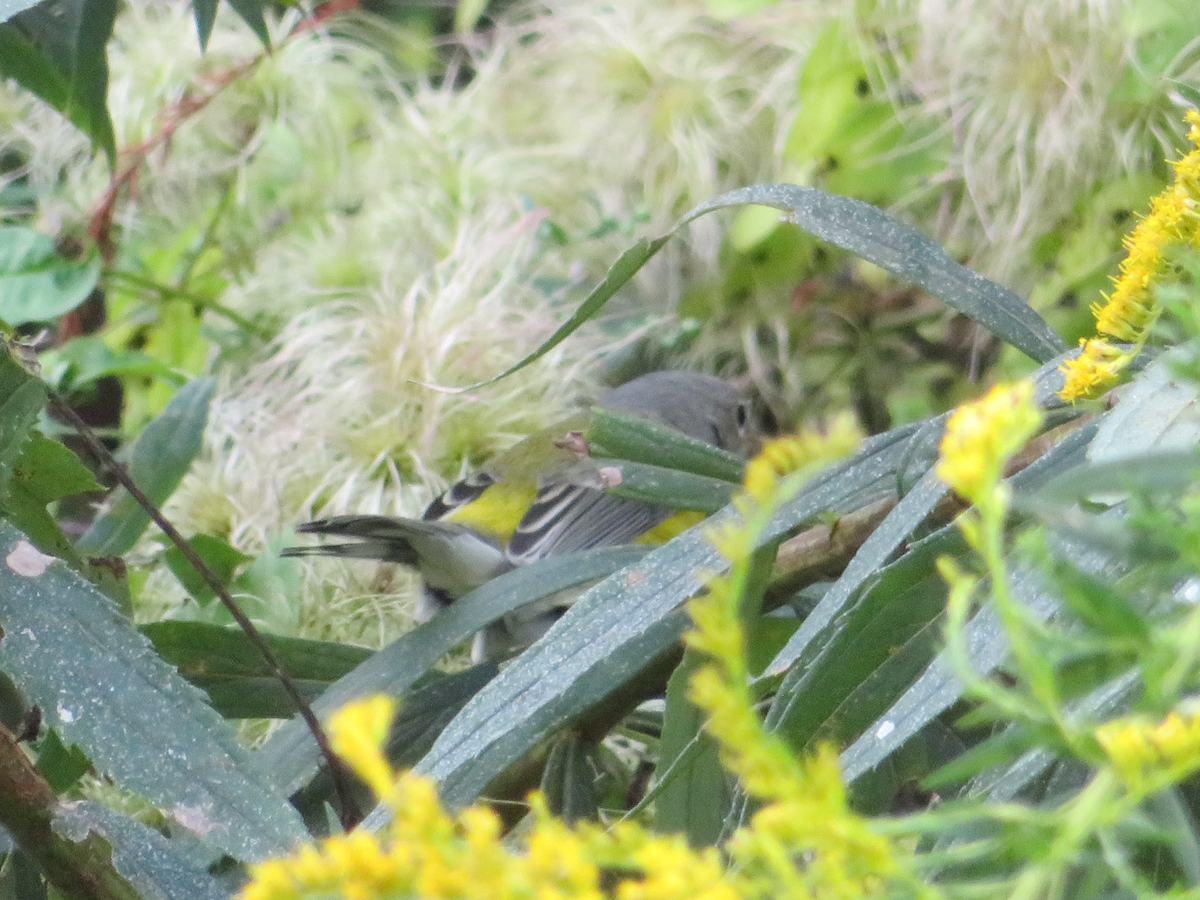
pixel 566 517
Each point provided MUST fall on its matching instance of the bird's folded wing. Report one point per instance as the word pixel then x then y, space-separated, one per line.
pixel 566 517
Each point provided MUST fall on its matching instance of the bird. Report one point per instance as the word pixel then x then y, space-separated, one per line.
pixel 541 498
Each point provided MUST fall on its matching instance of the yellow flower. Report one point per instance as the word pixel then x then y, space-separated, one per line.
pixel 1152 753
pixel 792 453
pixel 357 733
pixel 982 435
pixel 1132 309
pixel 1094 371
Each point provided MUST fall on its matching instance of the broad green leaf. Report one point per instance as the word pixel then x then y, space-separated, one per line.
pixel 200 648
pixel 693 791
pixel 862 229
pixel 1171 815
pixel 1006 782
pixel 22 398
pixel 21 61
pixel 217 554
pixel 434 700
pixel 619 626
pixel 291 751
pixel 872 234
pixel 145 858
pixel 71 38
pixel 251 12
pixel 60 765
pixel 161 456
pixel 875 630
pixel 45 472
pixel 568 781
pixel 205 13
pixel 874 553
pixel 1156 411
pixel 239 684
pixel 630 437
pixel 1154 472
pixel 36 284
pixel 83 360
pixel 937 688
pixel 1099 605
pixel 871 635
pixel 102 687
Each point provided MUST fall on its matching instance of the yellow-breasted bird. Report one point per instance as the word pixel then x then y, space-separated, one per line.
pixel 535 500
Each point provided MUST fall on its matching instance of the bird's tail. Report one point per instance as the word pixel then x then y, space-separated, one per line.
pixel 450 557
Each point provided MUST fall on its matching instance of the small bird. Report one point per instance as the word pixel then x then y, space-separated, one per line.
pixel 538 499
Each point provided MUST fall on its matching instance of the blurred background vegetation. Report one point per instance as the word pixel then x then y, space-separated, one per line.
pixel 267 227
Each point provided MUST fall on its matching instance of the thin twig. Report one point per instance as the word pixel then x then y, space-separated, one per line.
pixel 175 115
pixel 347 811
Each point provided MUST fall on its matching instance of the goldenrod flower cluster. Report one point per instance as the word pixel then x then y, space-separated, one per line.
pixel 982 435
pixel 1132 308
pixel 803 842
pixel 796 452
pixel 1150 755
pixel 805 814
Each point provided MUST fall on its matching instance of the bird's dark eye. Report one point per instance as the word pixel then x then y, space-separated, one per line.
pixel 742 415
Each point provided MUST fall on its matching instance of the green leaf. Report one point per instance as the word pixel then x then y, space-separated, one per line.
pixel 1157 411
pixel 1096 603
pixel 59 764
pixel 254 696
pixel 937 688
pixel 862 229
pixel 99 683
pixel 568 781
pixel 864 640
pixel 626 436
pixel 152 866
pixel 36 284
pixel 21 61
pixel 205 13
pixel 45 472
pixel 1155 472
pixel 83 360
pixel 693 792
pixel 160 458
pixel 626 266
pixel 22 398
pixel 63 53
pixel 435 699
pixel 217 554
pixel 1007 781
pixel 425 711
pixel 202 648
pixel 909 514
pixel 238 681
pixel 668 487
pixel 291 751
pixel 251 12
pixel 872 234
